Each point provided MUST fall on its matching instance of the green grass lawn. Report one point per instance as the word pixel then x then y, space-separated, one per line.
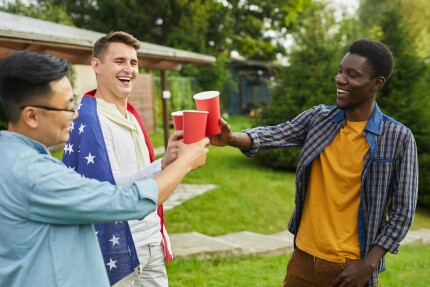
pixel 248 197
pixel 255 271
pixel 243 199
pixel 409 268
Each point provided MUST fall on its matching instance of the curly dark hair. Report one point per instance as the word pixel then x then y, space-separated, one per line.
pixel 378 56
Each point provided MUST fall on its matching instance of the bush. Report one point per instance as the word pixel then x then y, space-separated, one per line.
pixel 405 97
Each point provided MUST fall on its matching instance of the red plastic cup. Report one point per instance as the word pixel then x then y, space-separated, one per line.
pixel 209 101
pixel 178 120
pixel 194 125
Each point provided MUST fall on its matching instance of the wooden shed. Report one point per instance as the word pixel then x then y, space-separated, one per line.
pixel 253 79
pixel 75 45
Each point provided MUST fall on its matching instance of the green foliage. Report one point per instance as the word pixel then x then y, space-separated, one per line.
pixel 416 16
pixel 178 23
pixel 44 10
pixel 192 80
pixel 309 80
pixel 215 77
pixel 204 26
pixel 405 96
pixel 198 26
pixel 57 153
pixel 182 90
pixel 259 27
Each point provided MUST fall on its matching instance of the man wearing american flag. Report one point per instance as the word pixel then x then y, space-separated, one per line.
pixel 112 140
pixel 46 209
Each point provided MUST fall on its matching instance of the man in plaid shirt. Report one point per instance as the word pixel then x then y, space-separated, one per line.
pixel 356 178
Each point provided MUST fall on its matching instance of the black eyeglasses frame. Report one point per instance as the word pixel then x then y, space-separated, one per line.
pixel 49 108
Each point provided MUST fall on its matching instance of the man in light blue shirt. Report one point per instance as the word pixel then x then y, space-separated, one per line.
pixel 46 209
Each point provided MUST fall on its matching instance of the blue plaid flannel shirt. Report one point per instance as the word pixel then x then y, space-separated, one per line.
pixel 389 182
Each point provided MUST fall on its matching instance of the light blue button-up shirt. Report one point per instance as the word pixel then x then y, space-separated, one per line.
pixel 46 216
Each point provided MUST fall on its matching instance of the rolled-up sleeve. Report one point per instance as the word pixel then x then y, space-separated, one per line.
pixel 61 196
pixel 403 201
pixel 289 134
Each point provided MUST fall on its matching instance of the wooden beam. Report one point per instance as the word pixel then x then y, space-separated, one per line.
pixel 36 48
pixel 158 64
pixel 80 59
pixel 80 54
pixel 163 83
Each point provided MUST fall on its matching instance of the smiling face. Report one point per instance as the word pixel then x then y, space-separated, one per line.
pixel 116 70
pixel 356 87
pixel 53 127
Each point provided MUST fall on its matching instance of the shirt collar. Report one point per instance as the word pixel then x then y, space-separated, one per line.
pixel 19 138
pixel 374 124
pixel 340 116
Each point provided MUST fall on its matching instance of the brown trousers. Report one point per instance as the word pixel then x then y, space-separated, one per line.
pixel 305 270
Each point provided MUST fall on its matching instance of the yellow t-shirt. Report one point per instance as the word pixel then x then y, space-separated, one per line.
pixel 328 226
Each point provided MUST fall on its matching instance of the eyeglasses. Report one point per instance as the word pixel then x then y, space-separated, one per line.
pixel 54 109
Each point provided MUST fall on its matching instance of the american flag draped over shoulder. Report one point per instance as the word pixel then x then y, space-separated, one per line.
pixel 166 240
pixel 85 152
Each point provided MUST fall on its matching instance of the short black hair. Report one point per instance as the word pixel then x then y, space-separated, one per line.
pixel 26 77
pixel 378 56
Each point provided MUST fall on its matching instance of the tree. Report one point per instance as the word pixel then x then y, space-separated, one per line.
pixel 44 11
pixel 417 11
pixel 181 24
pixel 254 27
pixel 260 27
pixel 204 26
pixel 319 46
pixel 405 96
